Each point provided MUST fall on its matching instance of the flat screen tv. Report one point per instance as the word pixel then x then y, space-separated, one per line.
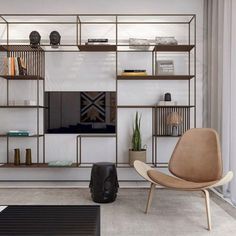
pixel 80 112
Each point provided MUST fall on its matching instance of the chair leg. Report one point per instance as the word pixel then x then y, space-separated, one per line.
pixel 150 195
pixel 207 202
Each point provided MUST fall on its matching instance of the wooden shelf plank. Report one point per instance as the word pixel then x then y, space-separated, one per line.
pixel 21 77
pixel 97 48
pixel 156 77
pixel 20 48
pixel 166 136
pixel 135 106
pixel 173 48
pixel 30 136
pixel 22 106
pixel 35 165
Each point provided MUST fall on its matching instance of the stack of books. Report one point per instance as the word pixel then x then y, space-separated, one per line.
pixel 97 42
pixel 16 133
pixel 15 66
pixel 134 72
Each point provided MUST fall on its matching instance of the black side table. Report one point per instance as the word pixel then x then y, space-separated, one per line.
pixel 104 184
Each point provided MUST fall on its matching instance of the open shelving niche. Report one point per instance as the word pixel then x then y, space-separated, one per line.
pixel 35 60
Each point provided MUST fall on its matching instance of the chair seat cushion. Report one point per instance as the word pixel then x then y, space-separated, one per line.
pixel 176 183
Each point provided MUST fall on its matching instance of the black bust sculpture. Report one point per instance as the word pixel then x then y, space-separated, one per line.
pixel 104 184
pixel 34 38
pixel 167 97
pixel 55 38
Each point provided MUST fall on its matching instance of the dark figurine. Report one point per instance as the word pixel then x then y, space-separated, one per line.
pixel 55 38
pixel 167 97
pixel 34 39
pixel 104 184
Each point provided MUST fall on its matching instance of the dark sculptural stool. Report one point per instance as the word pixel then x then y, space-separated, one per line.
pixel 104 184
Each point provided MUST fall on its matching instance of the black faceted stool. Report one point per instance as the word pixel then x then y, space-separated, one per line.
pixel 104 184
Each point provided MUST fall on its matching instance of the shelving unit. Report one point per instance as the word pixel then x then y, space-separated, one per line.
pixel 35 60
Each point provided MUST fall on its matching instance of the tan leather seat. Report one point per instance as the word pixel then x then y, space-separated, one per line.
pixel 176 183
pixel 195 163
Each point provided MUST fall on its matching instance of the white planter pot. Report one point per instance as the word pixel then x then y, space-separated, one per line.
pixel 137 156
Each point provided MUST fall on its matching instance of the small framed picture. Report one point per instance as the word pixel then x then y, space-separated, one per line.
pixel 165 67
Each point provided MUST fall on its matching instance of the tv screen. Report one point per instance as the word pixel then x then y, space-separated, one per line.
pixel 80 112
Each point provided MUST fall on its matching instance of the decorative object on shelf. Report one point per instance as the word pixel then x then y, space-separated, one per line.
pixel 167 97
pixel 137 152
pixel 167 101
pixel 30 103
pixel 103 183
pixel 55 39
pixel 16 66
pixel 22 103
pixel 140 44
pixel 166 41
pixel 28 158
pixel 93 107
pixel 60 163
pixel 135 72
pixel 165 67
pixel 35 38
pixel 17 133
pixel 17 156
pixel 97 42
pixel 174 121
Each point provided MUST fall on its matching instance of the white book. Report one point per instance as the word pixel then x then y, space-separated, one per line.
pixel 9 65
pixel 16 66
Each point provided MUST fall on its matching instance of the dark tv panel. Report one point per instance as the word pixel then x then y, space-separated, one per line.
pixel 80 112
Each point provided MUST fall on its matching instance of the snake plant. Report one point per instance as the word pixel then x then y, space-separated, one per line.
pixel 136 138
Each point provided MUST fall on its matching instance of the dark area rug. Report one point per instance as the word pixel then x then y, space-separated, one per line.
pixel 50 220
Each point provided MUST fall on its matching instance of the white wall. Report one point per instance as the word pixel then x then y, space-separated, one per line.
pixel 101 76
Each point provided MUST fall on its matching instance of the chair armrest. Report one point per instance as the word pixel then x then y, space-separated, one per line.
pixel 227 178
pixel 142 169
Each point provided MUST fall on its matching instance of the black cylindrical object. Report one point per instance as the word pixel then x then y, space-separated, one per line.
pixel 167 97
pixel 104 184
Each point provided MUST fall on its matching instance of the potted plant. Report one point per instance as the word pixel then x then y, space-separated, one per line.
pixel 137 152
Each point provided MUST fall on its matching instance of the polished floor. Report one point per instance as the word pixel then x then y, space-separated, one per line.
pixel 172 213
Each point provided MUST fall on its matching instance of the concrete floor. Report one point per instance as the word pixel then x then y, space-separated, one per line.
pixel 172 213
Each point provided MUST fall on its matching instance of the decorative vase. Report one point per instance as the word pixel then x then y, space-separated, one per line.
pixel 137 156
pixel 28 159
pixel 17 156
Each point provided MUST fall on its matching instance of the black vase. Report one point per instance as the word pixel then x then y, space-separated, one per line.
pixel 167 97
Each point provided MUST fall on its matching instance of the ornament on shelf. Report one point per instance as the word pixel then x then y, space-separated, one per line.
pixel 34 39
pixel 55 39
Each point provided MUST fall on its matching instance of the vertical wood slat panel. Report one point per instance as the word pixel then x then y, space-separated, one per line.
pixel 164 112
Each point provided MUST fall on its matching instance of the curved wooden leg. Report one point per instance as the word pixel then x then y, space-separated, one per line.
pixel 207 202
pixel 150 195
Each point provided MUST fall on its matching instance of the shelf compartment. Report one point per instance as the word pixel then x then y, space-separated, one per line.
pixel 97 48
pixel 171 121
pixel 21 77
pixel 173 48
pixel 156 77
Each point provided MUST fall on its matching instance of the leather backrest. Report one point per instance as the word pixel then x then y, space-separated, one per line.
pixel 197 156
